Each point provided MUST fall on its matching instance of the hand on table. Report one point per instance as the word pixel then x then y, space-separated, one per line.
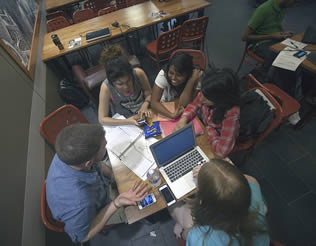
pixel 178 112
pixel 181 123
pixel 132 120
pixel 144 112
pixel 282 35
pixel 136 193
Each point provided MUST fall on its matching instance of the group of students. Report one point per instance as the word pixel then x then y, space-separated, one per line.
pixel 212 95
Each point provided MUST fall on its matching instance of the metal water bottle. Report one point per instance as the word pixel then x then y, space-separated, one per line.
pixel 154 177
pixel 57 42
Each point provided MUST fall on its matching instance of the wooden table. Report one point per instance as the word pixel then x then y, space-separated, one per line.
pixel 54 4
pixel 125 177
pixel 136 17
pixel 307 64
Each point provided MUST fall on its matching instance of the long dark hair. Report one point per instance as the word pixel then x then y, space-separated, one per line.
pixel 222 203
pixel 222 88
pixel 183 64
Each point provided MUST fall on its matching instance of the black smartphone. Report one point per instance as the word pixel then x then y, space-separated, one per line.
pixel 167 195
pixel 300 54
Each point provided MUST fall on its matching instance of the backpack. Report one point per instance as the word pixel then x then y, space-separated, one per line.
pixel 71 93
pixel 255 115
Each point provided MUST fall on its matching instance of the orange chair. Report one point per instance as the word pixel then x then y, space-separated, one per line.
pixel 193 31
pixel 159 50
pixel 52 15
pixel 288 104
pixel 57 120
pixel 106 10
pixel 57 23
pixel 249 144
pixel 248 56
pixel 199 58
pixel 47 216
pixel 96 5
pixel 182 242
pixel 134 2
pixel 82 15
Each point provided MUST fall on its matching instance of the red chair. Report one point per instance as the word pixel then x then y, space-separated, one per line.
pixel 57 13
pixel 199 58
pixel 82 15
pixel 57 23
pixel 159 50
pixel 46 214
pixel 288 104
pixel 248 56
pixel 96 5
pixel 249 144
pixel 134 2
pixel 193 32
pixel 107 10
pixel 57 120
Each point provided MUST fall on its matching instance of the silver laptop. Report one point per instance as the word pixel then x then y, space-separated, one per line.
pixel 176 156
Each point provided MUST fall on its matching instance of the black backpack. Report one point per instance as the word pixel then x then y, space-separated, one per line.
pixel 255 115
pixel 71 93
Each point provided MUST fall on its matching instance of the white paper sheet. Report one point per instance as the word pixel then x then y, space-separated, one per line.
pixel 294 44
pixel 286 60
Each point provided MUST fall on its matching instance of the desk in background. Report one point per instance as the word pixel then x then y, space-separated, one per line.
pixel 308 65
pixel 54 4
pixel 131 19
pixel 124 178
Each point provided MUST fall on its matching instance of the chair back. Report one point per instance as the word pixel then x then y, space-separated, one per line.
pixel 120 4
pixel 194 30
pixel 46 214
pixel 57 120
pixel 168 41
pixel 82 15
pixel 259 61
pixel 53 15
pixel 96 5
pixel 107 10
pixel 57 23
pixel 134 2
pixel 199 58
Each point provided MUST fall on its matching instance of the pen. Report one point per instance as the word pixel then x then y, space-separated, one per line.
pixel 294 45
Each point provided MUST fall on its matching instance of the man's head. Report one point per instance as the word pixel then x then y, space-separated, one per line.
pixel 289 3
pixel 81 145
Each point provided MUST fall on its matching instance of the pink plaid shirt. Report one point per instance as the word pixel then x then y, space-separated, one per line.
pixel 222 137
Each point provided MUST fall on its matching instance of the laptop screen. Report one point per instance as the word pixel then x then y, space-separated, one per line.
pixel 170 148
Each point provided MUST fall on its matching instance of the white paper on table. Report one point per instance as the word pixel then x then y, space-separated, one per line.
pixel 294 44
pixel 138 156
pixel 286 60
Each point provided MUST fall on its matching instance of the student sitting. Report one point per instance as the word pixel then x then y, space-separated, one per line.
pixel 218 103
pixel 125 91
pixel 179 79
pixel 228 209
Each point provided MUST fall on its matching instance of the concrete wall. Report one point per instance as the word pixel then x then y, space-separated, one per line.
pixel 24 155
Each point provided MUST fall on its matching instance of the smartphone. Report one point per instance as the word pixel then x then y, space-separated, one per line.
pixel 300 54
pixel 148 200
pixel 167 195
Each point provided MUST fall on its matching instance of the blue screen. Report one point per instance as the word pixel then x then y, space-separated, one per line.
pixel 147 201
pixel 169 148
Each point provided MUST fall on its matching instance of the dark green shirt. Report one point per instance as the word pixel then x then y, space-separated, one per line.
pixel 267 19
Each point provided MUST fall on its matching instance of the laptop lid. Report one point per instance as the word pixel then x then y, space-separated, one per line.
pixel 173 146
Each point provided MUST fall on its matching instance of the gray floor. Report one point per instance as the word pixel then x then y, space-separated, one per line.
pixel 284 164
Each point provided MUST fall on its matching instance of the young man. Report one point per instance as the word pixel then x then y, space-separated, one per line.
pixel 78 188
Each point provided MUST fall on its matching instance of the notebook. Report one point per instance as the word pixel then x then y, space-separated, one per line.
pixel 176 156
pixel 168 126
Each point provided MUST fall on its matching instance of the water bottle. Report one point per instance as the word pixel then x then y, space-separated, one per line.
pixel 57 42
pixel 154 177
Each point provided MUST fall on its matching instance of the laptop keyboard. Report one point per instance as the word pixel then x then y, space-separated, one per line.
pixel 184 165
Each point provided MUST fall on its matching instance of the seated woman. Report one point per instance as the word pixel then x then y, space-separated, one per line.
pixel 218 104
pixel 125 91
pixel 179 79
pixel 228 209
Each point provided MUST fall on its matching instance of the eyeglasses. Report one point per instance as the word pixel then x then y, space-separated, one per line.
pixel 120 83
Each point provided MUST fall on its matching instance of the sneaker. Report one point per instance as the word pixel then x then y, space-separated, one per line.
pixel 294 118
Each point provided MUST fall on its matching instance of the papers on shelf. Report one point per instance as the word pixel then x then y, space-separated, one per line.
pixel 294 44
pixel 129 145
pixel 286 60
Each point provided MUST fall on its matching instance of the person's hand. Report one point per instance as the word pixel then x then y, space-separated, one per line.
pixel 181 123
pixel 196 74
pixel 136 193
pixel 195 172
pixel 178 112
pixel 132 120
pixel 282 35
pixel 144 112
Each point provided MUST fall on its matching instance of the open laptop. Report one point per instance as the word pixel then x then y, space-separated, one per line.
pixel 176 156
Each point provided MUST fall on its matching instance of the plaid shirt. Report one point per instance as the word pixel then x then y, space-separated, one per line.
pixel 222 137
